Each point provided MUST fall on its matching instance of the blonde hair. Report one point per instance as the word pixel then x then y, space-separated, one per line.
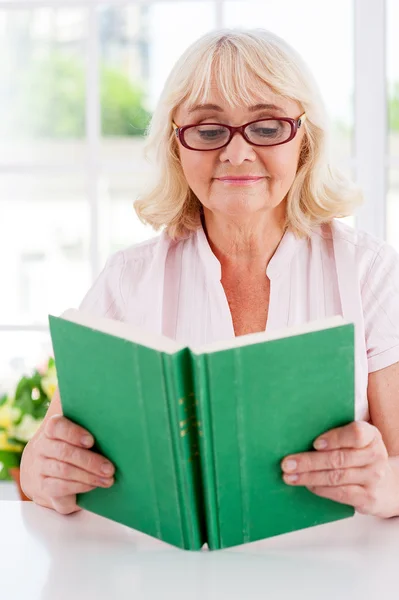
pixel 244 61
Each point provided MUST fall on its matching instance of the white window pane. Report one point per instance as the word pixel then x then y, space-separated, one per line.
pixel 173 27
pixel 393 75
pixel 323 34
pixel 119 224
pixel 44 241
pixel 42 85
pixel 20 352
pixel 139 45
pixel 124 69
pixel 393 209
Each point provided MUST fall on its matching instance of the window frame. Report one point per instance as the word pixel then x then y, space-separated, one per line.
pixel 370 160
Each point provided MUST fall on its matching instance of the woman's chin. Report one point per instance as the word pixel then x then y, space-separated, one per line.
pixel 242 207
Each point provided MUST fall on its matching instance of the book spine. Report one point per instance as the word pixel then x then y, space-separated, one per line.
pixel 183 425
pixel 206 449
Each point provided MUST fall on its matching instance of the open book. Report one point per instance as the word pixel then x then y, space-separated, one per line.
pixel 197 435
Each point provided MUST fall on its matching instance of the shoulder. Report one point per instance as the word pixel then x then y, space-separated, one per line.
pixel 136 253
pixel 371 265
pixel 367 254
pixel 128 276
pixel 147 261
pixel 130 263
pixel 354 239
pixel 107 295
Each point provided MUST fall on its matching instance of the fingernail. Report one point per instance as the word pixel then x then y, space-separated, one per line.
pixel 320 444
pixel 87 440
pixel 290 465
pixel 107 469
pixel 291 478
pixel 106 482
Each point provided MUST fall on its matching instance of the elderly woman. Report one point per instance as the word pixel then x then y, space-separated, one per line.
pixel 248 204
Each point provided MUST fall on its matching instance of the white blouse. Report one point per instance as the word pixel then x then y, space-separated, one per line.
pixel 174 288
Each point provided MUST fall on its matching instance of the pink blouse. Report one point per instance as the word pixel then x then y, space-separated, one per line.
pixel 174 288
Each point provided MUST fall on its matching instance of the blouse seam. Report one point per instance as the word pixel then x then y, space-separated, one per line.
pixel 382 352
pixel 382 308
pixel 109 307
pixel 339 236
pixel 120 283
pixel 371 267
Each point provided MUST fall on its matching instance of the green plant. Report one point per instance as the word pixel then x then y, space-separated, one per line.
pixel 48 100
pixel 394 108
pixel 22 413
pixel 122 105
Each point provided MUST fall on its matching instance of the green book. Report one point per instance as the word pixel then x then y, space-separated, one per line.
pixel 197 435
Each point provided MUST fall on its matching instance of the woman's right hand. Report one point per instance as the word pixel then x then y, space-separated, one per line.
pixel 57 464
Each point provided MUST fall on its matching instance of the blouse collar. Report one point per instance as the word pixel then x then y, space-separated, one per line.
pixel 278 264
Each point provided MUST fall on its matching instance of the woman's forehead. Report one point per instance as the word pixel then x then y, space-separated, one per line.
pixel 216 102
pixel 253 90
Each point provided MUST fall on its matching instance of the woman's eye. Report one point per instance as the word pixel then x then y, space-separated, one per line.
pixel 265 131
pixel 210 133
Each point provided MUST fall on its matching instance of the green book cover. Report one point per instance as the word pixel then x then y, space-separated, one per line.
pixel 197 435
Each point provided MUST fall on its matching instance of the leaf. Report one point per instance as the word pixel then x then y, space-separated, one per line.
pixel 22 386
pixel 3 399
pixel 14 440
pixel 24 402
pixel 41 410
pixel 4 474
pixel 35 380
pixel 10 459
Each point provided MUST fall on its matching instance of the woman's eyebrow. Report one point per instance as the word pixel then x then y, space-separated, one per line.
pixel 266 107
pixel 205 107
pixel 255 108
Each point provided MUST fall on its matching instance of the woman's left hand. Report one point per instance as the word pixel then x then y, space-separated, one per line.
pixel 353 467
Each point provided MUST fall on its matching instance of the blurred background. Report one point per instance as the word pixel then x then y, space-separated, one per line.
pixel 78 83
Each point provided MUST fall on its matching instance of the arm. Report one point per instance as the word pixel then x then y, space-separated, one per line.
pixel 57 464
pixel 383 397
pixel 359 463
pixel 28 455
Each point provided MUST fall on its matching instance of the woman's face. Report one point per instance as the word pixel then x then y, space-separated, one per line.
pixel 275 166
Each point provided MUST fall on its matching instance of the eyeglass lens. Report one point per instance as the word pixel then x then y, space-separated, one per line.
pixel 264 133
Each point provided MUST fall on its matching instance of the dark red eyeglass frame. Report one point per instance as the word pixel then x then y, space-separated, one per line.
pixel 295 125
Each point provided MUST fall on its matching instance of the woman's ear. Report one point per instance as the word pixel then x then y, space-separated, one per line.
pixel 304 152
pixel 174 148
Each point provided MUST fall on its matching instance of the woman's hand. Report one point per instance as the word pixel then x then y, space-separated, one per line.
pixel 57 464
pixel 351 467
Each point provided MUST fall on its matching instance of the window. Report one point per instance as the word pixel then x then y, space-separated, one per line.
pixel 78 85
pixel 42 86
pixel 392 215
pixel 44 245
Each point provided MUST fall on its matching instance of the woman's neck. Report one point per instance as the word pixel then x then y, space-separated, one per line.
pixel 246 244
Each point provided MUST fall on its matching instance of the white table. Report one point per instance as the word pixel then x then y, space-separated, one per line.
pixel 8 491
pixel 47 556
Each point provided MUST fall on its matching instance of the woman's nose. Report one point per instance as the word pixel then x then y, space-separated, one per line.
pixel 237 151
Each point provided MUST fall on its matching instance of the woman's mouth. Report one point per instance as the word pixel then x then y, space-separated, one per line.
pixel 244 180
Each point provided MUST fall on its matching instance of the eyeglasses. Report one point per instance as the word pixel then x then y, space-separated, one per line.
pixel 264 132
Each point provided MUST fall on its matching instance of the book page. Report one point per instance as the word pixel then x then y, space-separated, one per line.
pixel 263 336
pixel 164 344
pixel 122 330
